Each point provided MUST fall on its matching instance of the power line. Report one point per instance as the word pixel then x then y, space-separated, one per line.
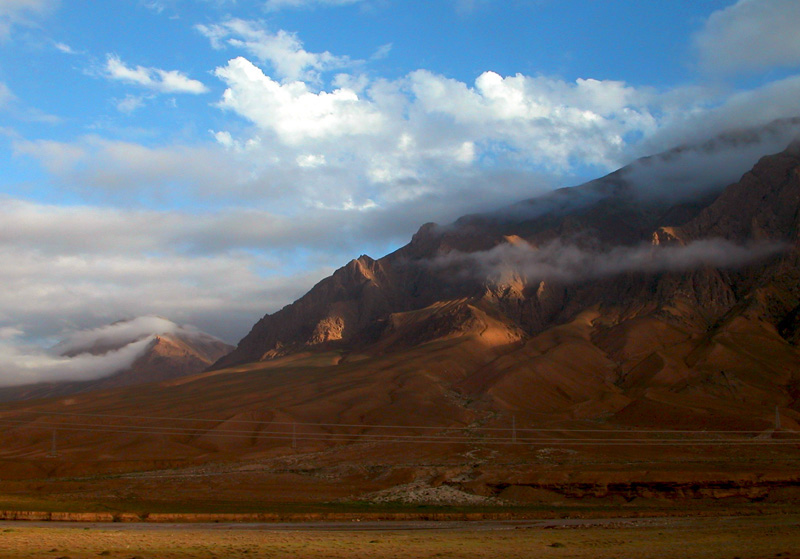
pixel 361 437
pixel 409 427
pixel 249 433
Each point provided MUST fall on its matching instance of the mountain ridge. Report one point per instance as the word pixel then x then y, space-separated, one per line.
pixel 350 308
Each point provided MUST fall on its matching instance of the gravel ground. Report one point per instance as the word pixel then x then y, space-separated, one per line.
pixel 743 537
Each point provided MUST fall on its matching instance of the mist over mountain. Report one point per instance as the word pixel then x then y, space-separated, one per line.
pixel 143 349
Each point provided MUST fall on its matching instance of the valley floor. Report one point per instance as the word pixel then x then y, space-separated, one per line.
pixel 758 536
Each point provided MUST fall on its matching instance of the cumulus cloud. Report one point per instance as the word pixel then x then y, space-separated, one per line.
pixel 401 125
pixel 543 121
pixel 548 121
pixel 540 120
pixel 282 50
pixel 751 35
pixel 155 79
pixel 562 261
pixel 291 110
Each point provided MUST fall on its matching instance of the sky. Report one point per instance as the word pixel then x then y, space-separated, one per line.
pixel 208 161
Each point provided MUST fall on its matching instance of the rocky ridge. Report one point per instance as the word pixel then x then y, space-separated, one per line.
pixel 358 305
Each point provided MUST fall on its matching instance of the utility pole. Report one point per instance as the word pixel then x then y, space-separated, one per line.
pixel 514 429
pixel 53 449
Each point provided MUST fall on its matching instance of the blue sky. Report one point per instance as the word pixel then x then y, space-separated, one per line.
pixel 210 160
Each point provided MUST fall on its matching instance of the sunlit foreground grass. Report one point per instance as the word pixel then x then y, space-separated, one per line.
pixel 729 537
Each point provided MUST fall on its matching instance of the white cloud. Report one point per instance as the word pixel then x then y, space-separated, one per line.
pixel 292 110
pixel 751 35
pixel 121 333
pixel 708 116
pixel 275 5
pixel 546 120
pixel 282 50
pixel 562 261
pixel 155 79
pixel 310 160
pixel 65 48
pixel 155 5
pixel 130 103
pixel 27 365
pixel 22 12
pixel 85 354
pixel 382 52
pixel 467 7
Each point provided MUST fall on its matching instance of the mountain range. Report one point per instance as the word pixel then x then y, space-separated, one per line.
pixel 661 309
pixel 636 337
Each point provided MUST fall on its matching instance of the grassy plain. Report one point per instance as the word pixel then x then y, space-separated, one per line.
pixel 701 537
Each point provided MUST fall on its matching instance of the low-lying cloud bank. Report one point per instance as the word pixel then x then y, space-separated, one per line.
pixel 122 333
pixel 701 167
pixel 84 355
pixel 565 262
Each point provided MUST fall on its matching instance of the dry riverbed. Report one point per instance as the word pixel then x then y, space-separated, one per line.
pixel 699 537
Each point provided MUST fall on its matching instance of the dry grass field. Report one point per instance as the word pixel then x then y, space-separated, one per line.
pixel 707 537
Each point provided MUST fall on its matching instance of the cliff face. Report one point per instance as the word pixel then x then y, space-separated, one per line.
pixel 605 223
